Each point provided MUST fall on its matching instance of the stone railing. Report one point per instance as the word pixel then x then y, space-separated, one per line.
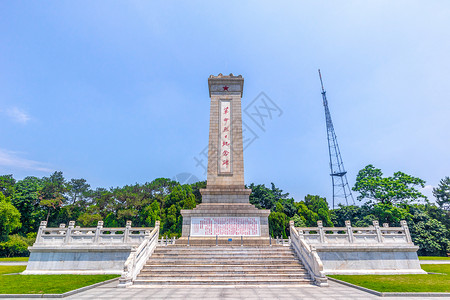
pixel 309 257
pixel 138 257
pixel 99 235
pixel 356 235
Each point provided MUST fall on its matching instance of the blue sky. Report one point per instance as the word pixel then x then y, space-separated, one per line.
pixel 116 91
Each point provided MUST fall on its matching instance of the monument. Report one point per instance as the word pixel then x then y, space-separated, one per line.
pixel 225 210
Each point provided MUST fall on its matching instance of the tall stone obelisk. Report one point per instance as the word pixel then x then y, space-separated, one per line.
pixel 225 209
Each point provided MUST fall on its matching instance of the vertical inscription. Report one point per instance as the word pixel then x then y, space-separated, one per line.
pixel 225 137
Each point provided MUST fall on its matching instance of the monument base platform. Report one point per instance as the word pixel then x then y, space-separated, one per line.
pixel 229 219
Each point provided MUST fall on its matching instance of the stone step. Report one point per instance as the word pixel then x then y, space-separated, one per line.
pixel 162 271
pixel 223 265
pixel 225 277
pixel 214 249
pixel 269 281
pixel 240 267
pixel 221 256
pixel 225 261
pixel 223 247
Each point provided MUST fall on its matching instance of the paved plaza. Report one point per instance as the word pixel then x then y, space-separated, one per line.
pixel 334 291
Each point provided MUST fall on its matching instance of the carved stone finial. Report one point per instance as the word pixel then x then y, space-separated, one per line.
pixel 62 225
pixel 128 223
pixel 291 223
pixel 157 223
pixel 72 223
pixel 100 223
pixel 376 223
pixel 403 223
pixel 385 224
pixel 319 223
pixel 348 223
pixel 43 223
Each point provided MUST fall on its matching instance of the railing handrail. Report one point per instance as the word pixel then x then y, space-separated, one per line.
pixel 309 257
pixel 138 257
pixel 76 235
pixel 349 234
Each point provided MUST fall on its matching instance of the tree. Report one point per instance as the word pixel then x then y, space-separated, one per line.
pixel 400 188
pixel 9 217
pixel 263 197
pixel 78 191
pixel 52 192
pixel 278 223
pixel 181 197
pixel 26 200
pixel 7 183
pixel 313 209
pixel 431 236
pixel 442 193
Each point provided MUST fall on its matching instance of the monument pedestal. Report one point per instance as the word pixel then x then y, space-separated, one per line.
pixel 226 212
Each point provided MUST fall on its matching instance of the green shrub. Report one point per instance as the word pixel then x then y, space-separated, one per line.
pixel 16 245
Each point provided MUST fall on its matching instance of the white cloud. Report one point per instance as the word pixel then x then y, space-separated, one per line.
pixel 18 115
pixel 12 159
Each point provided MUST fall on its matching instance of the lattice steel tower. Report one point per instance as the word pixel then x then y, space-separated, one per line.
pixel 341 189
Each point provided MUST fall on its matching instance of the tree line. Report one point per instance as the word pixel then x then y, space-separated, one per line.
pixel 26 202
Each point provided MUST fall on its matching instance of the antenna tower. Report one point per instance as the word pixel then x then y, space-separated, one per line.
pixel 341 189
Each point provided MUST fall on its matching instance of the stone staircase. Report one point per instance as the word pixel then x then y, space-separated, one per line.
pixel 223 265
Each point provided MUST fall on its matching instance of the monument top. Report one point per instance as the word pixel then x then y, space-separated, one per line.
pixel 225 84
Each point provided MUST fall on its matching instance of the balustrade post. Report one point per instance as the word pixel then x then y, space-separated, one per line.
pixel 348 224
pixel 68 238
pixel 40 231
pixel 321 232
pixel 301 235
pixel 376 224
pixel 98 231
pixel 406 230
pixel 157 224
pixel 126 234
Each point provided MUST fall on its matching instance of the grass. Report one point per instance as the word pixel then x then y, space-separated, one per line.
pixel 13 259
pixel 404 283
pixel 437 268
pixel 11 269
pixel 433 258
pixel 44 284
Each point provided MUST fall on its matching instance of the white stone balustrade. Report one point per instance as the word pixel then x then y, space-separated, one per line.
pixel 309 257
pixel 356 235
pixel 356 250
pixel 93 250
pixel 72 235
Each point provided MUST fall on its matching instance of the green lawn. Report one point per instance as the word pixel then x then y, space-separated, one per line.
pixel 437 268
pixel 13 259
pixel 433 258
pixel 44 284
pixel 404 283
pixel 11 269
